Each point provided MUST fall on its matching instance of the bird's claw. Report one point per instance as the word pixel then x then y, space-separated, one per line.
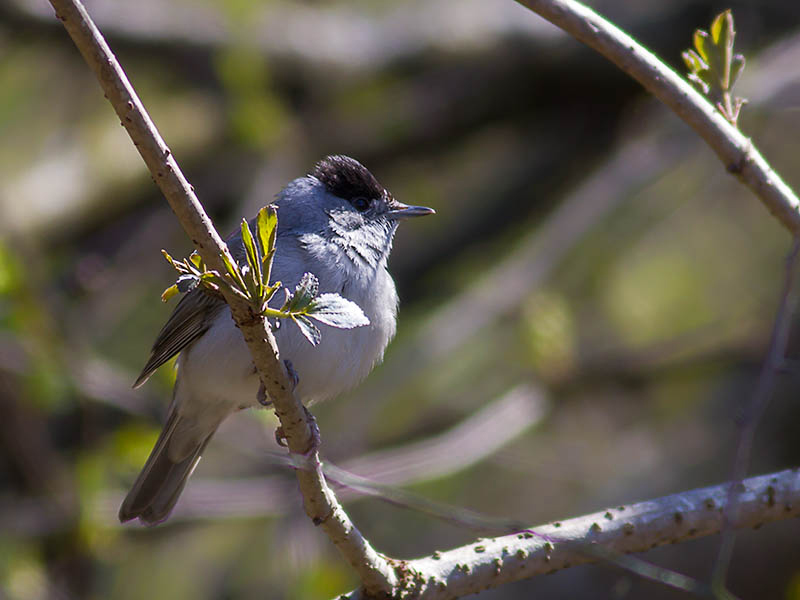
pixel 280 437
pixel 294 378
pixel 261 396
pixel 316 436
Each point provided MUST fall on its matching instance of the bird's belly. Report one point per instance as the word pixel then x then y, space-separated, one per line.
pixel 338 363
pixel 217 370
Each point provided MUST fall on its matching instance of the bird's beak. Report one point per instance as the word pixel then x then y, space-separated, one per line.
pixel 404 211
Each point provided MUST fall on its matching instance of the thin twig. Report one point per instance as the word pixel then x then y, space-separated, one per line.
pixel 320 503
pixel 755 409
pixel 736 151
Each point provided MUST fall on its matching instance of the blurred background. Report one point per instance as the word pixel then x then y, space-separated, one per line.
pixel 581 323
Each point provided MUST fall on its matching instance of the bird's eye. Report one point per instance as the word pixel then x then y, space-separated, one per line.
pixel 360 203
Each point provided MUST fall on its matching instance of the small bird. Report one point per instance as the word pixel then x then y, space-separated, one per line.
pixel 338 223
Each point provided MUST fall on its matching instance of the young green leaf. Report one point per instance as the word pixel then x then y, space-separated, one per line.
pixel 169 293
pixel 266 232
pixel 185 283
pixel 693 61
pixel 303 295
pixel 737 66
pixel 267 228
pixel 698 70
pixel 195 259
pixel 336 311
pixel 189 268
pixel 308 329
pixel 722 28
pixel 714 68
pixel 175 265
pixel 702 44
pixel 233 272
pixel 253 260
pixel 213 281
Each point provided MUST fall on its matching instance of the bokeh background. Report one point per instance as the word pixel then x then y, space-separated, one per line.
pixel 581 322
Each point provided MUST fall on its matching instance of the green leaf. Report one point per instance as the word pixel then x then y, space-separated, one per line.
pixel 304 293
pixel 169 293
pixel 186 283
pixel 266 232
pixel 308 329
pixel 253 262
pixel 252 252
pixel 699 83
pixel 195 259
pixel 267 228
pixel 693 61
pixel 233 271
pixel 722 29
pixel 702 43
pixel 737 66
pixel 713 67
pixel 180 268
pixel 189 268
pixel 336 311
pixel 213 281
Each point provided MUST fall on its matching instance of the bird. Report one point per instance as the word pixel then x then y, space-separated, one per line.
pixel 337 222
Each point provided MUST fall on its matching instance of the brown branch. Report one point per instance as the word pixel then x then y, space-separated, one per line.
pixel 735 150
pixel 638 527
pixel 320 503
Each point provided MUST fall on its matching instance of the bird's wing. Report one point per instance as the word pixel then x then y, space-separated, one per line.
pixel 190 319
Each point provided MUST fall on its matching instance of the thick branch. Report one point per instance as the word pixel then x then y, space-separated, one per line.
pixel 734 149
pixel 320 502
pixel 634 528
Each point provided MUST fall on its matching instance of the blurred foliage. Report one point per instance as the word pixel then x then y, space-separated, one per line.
pixel 646 330
pixel 257 117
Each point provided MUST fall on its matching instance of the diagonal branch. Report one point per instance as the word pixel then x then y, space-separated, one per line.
pixel 756 408
pixel 734 149
pixel 603 535
pixel 320 502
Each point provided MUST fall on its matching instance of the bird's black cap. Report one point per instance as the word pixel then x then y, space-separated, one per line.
pixel 347 178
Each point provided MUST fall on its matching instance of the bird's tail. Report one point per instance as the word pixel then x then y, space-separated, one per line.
pixel 164 475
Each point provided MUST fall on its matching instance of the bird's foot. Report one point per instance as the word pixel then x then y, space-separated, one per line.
pixel 261 396
pixel 280 437
pixel 294 378
pixel 316 436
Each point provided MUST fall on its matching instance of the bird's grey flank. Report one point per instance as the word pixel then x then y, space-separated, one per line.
pixel 338 223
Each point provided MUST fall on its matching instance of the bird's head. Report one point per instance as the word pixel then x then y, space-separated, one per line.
pixel 343 202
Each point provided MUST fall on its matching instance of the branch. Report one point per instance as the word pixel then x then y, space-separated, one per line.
pixel 320 503
pixel 639 527
pixel 735 150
